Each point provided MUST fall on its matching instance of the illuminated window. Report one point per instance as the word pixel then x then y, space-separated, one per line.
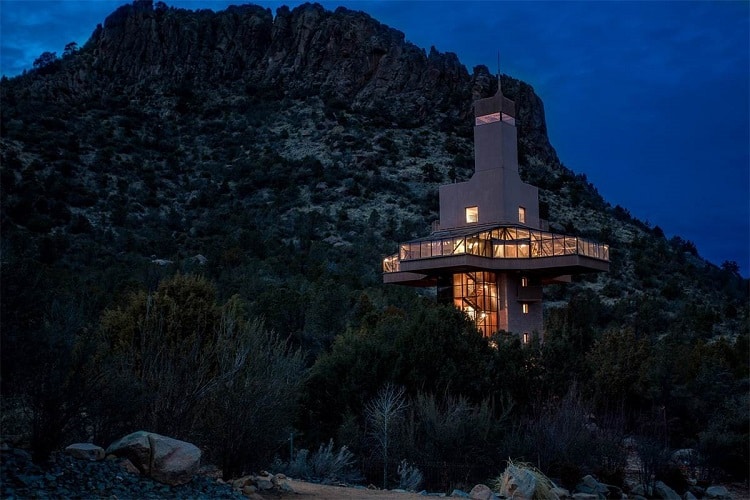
pixel 525 337
pixel 485 119
pixel 525 308
pixel 472 214
pixel 524 281
pixel 522 215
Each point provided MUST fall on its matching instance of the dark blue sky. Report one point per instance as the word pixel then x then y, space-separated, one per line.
pixel 651 100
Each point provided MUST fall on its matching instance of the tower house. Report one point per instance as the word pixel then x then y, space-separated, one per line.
pixel 489 254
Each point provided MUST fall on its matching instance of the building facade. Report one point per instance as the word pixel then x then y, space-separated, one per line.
pixel 489 254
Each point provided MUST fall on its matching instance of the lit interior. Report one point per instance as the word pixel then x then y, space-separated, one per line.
pixel 476 295
pixel 506 242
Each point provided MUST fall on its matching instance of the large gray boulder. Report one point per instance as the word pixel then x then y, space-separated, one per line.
pixel 164 459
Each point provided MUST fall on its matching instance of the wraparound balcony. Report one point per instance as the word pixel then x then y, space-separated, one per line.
pixel 509 247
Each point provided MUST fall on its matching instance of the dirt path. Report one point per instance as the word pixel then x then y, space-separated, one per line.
pixel 305 491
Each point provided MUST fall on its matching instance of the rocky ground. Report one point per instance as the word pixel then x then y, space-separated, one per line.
pixel 66 477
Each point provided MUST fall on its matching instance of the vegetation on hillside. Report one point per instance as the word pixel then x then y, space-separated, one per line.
pixel 204 260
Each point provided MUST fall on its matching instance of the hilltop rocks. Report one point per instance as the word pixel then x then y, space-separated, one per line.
pixel 162 458
pixel 304 51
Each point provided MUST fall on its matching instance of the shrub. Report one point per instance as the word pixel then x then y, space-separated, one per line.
pixel 409 476
pixel 325 465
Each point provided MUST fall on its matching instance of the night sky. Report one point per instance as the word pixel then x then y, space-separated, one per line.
pixel 650 100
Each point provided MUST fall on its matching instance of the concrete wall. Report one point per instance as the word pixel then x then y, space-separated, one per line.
pixel 495 188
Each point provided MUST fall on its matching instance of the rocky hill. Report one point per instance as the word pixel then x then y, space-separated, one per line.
pixel 168 119
pixel 282 157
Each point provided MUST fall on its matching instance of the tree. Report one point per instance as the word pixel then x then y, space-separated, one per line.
pixel 383 414
pixel 45 59
pixel 70 49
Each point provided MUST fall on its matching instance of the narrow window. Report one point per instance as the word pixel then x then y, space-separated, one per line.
pixel 525 308
pixel 524 281
pixel 525 337
pixel 472 214
pixel 522 215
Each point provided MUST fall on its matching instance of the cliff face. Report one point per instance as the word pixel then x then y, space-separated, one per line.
pixel 305 51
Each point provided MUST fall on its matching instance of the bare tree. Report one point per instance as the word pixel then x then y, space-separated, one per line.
pixel 383 414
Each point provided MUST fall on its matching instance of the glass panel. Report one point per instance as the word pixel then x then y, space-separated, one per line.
pixel 447 247
pixel 437 248
pixel 404 251
pixel 511 251
pixel 498 250
pixel 523 251
pixel 424 250
pixel 459 246
pixel 472 214
pixel 546 246
pixel 559 245
pixel 570 246
pixel 522 215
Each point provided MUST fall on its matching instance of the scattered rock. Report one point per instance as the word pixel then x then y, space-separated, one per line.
pixel 265 483
pixel 718 492
pixel 665 492
pixel 482 492
pixel 64 476
pixel 561 492
pixel 459 494
pixel 86 451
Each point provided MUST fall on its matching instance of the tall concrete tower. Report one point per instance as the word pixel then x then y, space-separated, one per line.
pixel 489 254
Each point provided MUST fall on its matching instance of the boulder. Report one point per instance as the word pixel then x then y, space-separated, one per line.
pixel 86 451
pixel 519 482
pixel 689 496
pixel 718 492
pixel 591 486
pixel 561 492
pixel 482 492
pixel 136 448
pixel 164 459
pixel 456 493
pixel 665 492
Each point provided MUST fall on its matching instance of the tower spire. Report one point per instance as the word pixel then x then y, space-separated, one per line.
pixel 499 89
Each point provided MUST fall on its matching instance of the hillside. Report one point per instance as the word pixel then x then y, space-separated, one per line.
pixel 282 158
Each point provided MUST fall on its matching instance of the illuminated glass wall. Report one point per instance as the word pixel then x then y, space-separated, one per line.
pixel 476 295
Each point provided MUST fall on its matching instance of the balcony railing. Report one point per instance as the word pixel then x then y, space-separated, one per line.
pixel 498 243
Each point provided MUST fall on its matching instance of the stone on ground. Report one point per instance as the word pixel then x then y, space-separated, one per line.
pixel 86 451
pixel 164 459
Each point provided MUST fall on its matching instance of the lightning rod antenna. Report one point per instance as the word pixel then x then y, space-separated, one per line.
pixel 498 72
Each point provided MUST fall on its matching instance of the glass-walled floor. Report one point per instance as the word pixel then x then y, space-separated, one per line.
pixel 506 242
